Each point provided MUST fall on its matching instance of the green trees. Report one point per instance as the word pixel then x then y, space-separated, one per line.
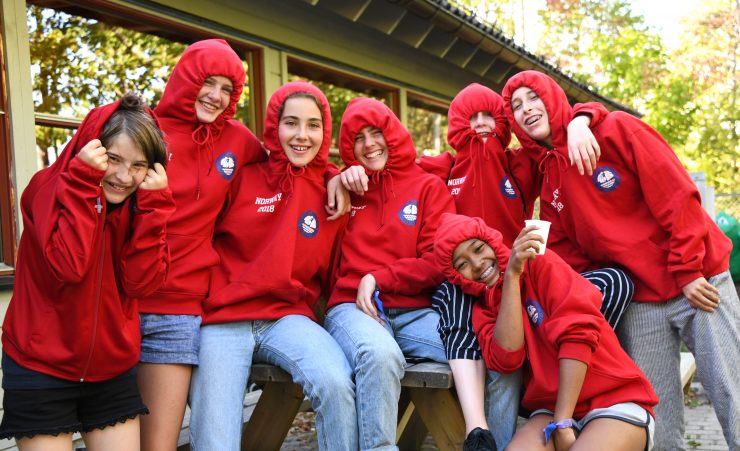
pixel 689 94
pixel 79 63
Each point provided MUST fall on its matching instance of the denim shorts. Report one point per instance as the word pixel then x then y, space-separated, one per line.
pixel 170 338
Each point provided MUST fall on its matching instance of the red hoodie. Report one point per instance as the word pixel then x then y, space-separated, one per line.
pixel 73 314
pixel 203 160
pixel 640 210
pixel 485 180
pixel 274 240
pixel 561 320
pixel 390 233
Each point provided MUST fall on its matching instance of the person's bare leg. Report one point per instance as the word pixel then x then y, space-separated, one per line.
pixel 61 442
pixel 164 390
pixel 119 437
pixel 530 437
pixel 611 434
pixel 470 380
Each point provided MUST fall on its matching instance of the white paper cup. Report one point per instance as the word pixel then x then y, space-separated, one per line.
pixel 543 229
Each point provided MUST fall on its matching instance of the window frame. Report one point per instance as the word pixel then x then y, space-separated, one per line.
pixel 8 241
pixel 174 28
pixel 315 71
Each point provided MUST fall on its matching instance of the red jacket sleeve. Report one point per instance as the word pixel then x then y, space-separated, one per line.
pixel 571 305
pixel 523 168
pixel 411 276
pixel 254 152
pixel 596 110
pixel 440 165
pixel 670 195
pixel 485 314
pixel 331 171
pixel 69 247
pixel 146 258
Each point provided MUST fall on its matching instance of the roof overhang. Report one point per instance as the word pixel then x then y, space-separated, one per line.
pixel 449 33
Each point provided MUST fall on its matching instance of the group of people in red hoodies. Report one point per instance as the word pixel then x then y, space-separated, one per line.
pixel 173 304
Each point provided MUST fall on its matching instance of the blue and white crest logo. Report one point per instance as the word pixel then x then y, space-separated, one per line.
pixel 308 224
pixel 606 179
pixel 226 165
pixel 408 213
pixel 507 188
pixel 535 312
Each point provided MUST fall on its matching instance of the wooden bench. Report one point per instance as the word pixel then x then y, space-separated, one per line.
pixel 688 368
pixel 427 404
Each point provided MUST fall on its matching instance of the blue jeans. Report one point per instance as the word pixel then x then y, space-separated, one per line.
pixel 502 405
pixel 294 343
pixel 376 353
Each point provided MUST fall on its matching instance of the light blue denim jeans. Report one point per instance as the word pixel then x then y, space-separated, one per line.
pixel 502 405
pixel 294 343
pixel 376 353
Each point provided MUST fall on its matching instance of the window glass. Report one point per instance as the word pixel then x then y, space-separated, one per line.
pixel 78 63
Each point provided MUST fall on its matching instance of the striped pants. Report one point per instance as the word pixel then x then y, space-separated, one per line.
pixel 652 332
pixel 455 310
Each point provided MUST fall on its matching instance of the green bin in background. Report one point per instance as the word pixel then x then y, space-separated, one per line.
pixel 731 227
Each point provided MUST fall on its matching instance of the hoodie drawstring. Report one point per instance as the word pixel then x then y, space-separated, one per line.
pixel 287 182
pixel 477 154
pixel 562 166
pixel 380 178
pixel 204 135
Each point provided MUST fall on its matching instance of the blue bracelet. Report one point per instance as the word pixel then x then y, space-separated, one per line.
pixel 551 426
pixel 379 303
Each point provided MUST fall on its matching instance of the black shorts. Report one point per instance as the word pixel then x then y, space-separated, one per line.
pixel 81 407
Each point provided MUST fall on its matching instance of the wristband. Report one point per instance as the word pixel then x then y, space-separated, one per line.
pixel 379 304
pixel 551 426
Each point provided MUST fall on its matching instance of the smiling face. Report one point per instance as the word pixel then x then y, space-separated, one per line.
pixel 531 115
pixel 475 260
pixel 370 148
pixel 127 167
pixel 301 130
pixel 482 123
pixel 213 98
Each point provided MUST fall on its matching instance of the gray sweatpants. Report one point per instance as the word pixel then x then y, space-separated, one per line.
pixel 651 333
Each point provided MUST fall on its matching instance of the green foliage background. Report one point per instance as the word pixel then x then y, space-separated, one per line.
pixel 689 94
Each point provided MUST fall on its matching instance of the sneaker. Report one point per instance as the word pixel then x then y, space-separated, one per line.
pixel 480 440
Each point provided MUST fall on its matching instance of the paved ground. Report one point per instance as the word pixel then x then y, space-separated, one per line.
pixel 703 432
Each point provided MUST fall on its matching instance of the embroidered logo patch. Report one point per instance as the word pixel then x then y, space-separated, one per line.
pixel 408 213
pixel 535 312
pixel 308 224
pixel 606 179
pixel 226 165
pixel 507 188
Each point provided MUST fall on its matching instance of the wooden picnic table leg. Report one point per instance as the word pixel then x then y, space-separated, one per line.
pixel 411 431
pixel 441 413
pixel 272 417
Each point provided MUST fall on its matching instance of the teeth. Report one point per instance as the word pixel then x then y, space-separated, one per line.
pixel 208 106
pixel 375 154
pixel 486 273
pixel 116 187
pixel 299 148
pixel 533 119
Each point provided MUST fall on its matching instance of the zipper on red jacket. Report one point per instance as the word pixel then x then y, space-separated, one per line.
pixel 97 300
